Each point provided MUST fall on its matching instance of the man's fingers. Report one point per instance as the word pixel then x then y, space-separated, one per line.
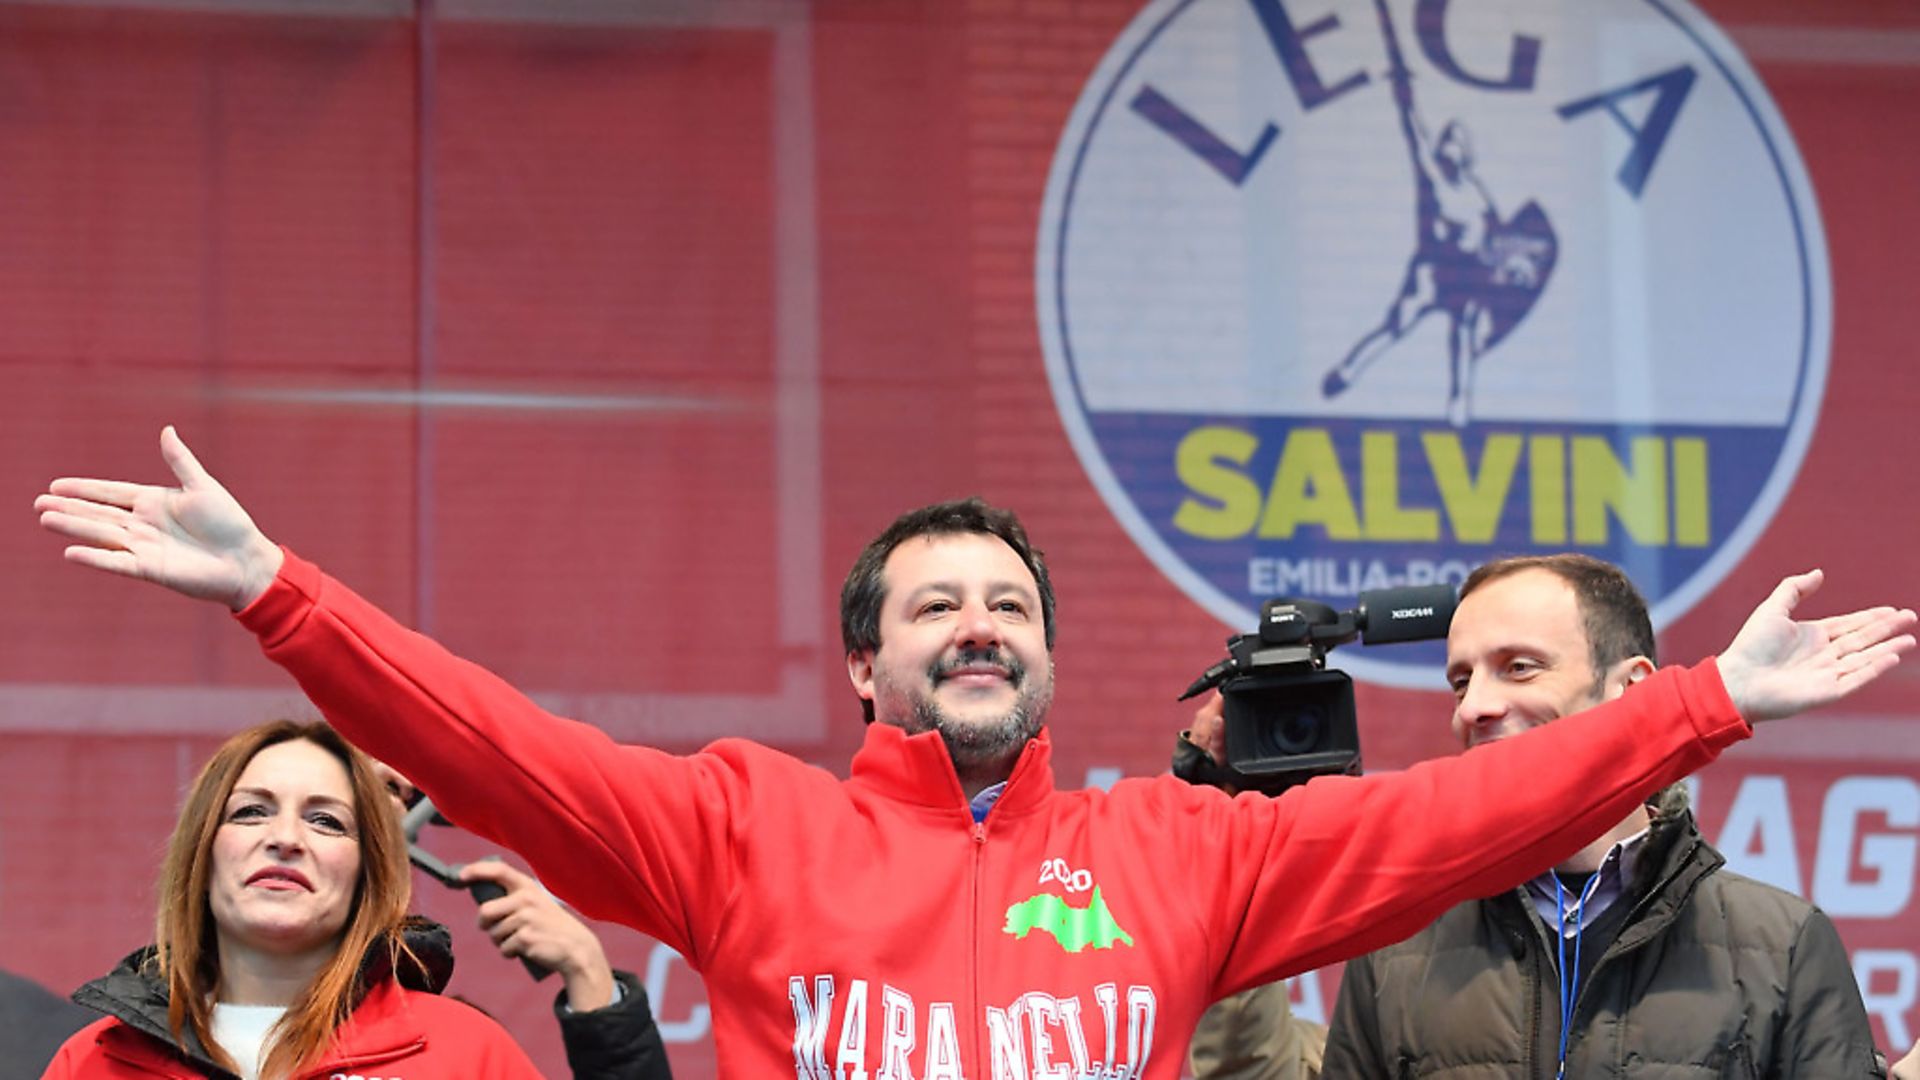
pixel 78 508
pixel 527 941
pixel 86 531
pixel 118 493
pixel 1791 591
pixel 516 933
pixel 1863 629
pixel 500 930
pixel 1837 626
pixel 501 911
pixel 496 871
pixel 123 563
pixel 186 468
pixel 1857 669
pixel 1874 660
pixel 1865 673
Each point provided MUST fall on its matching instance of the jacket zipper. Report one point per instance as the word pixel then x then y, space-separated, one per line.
pixel 974 1010
pixel 1537 954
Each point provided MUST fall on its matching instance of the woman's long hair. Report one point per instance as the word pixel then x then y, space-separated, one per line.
pixel 186 954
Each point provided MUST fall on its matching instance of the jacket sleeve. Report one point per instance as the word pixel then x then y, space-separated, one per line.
pixel 618 1042
pixel 1249 1036
pixel 1343 865
pixel 625 833
pixel 1825 1032
pixel 1353 1035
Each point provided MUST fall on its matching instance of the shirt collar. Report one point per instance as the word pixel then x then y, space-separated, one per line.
pixel 1607 885
pixel 984 801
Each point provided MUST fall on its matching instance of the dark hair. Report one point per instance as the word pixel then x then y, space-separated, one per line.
pixel 865 589
pixel 1612 611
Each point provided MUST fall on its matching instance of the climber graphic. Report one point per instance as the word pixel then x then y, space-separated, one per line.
pixel 1482 272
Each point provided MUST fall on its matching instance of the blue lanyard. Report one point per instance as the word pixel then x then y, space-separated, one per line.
pixel 1569 977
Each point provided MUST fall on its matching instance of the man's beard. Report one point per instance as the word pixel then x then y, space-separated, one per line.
pixel 983 748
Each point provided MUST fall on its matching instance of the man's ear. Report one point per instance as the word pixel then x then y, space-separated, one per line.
pixel 1626 673
pixel 860 673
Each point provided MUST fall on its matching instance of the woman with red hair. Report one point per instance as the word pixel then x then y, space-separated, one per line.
pixel 283 948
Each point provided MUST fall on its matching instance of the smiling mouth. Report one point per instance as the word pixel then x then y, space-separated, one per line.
pixel 979 668
pixel 277 878
pixel 978 673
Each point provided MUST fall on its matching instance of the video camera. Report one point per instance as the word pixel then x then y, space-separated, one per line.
pixel 1289 717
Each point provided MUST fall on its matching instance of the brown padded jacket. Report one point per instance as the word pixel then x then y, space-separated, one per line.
pixel 1254 1035
pixel 1712 975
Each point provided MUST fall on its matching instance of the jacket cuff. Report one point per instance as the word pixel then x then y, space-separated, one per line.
pixel 598 1041
pixel 1714 716
pixel 276 614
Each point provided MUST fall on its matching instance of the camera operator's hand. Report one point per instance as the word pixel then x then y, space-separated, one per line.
pixel 1777 667
pixel 1209 730
pixel 1205 741
pixel 529 923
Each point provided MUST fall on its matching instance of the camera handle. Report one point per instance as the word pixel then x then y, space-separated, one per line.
pixel 416 818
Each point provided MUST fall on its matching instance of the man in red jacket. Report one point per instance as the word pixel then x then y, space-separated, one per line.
pixel 945 911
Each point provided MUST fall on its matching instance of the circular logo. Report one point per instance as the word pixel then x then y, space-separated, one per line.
pixel 1358 294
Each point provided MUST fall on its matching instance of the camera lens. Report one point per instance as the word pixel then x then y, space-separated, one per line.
pixel 1299 732
pixel 1287 727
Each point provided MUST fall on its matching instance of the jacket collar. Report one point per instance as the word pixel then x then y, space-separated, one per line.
pixel 135 993
pixel 917 771
pixel 1676 860
pixel 380 1029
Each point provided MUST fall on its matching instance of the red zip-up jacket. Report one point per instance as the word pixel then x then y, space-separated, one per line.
pixel 394 1034
pixel 868 927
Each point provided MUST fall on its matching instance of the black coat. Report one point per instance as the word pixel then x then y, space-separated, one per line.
pixel 1711 975
pixel 33 1024
pixel 619 1042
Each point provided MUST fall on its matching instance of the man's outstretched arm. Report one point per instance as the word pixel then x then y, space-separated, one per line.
pixel 624 832
pixel 1346 865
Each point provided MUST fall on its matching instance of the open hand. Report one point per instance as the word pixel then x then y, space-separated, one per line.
pixel 194 539
pixel 1777 667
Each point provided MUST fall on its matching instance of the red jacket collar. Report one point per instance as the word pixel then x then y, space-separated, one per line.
pixel 380 1030
pixel 916 770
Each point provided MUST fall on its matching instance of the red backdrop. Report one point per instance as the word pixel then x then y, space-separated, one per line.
pixel 595 339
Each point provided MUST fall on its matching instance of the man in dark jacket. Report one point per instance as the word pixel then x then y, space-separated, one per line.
pixel 1642 955
pixel 33 1024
